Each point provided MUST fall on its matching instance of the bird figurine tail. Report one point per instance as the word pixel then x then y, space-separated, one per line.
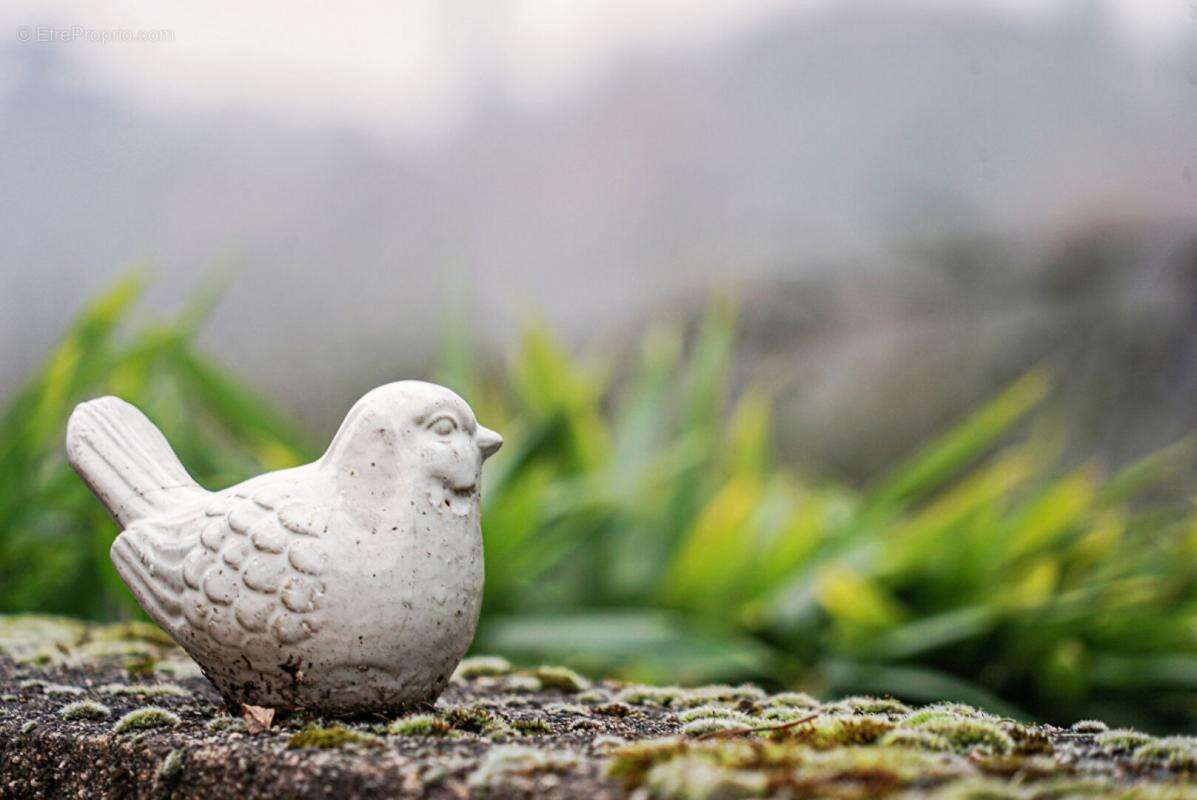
pixel 126 460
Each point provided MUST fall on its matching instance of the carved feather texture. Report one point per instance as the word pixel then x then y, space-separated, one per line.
pixel 126 461
pixel 246 563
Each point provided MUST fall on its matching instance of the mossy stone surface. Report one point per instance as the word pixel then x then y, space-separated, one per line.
pixel 491 735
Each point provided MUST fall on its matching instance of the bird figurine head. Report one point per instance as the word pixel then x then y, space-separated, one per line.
pixel 416 439
pixel 345 586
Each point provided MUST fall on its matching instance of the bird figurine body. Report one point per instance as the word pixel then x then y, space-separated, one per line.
pixel 349 585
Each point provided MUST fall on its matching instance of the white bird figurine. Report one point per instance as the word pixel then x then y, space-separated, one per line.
pixel 344 586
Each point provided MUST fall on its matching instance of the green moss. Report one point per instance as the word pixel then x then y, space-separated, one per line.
pixel 675 697
pixel 1074 788
pixel 501 771
pixel 1123 739
pixel 145 689
pixel 1022 768
pixel 704 725
pixel 501 732
pixel 980 789
pixel 864 704
pixel 112 650
pixel 1027 740
pixel 531 726
pixel 1178 753
pixel 524 684
pixel 85 709
pixel 839 730
pixel 927 716
pixel 968 733
pixel 47 658
pixel 651 695
pixel 608 743
pixel 472 719
pixel 733 767
pixel 1090 726
pixel 146 718
pixel 696 778
pixel 332 738
pixel 482 667
pixel 171 768
pixel 859 747
pixel 960 709
pixel 133 631
pixel 712 712
pixel 615 709
pixel 142 666
pixel 584 724
pixel 1152 791
pixel 225 723
pixel 719 693
pixel 630 763
pixel 944 711
pixel 178 667
pixel 561 679
pixel 420 725
pixel 490 703
pixel 20 633
pixel 785 713
pixel 594 697
pixel 792 700
pixel 916 739
pixel 883 766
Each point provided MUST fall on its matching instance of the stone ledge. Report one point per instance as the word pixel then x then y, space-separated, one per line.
pixel 90 711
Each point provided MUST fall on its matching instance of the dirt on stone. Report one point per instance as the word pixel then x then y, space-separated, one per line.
pixel 118 711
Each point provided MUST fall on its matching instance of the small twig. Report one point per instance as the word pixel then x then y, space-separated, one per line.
pixel 741 731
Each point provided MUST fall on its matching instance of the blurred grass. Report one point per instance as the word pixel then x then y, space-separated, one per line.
pixel 642 527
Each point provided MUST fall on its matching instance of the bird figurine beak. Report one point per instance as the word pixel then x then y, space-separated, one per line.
pixel 489 442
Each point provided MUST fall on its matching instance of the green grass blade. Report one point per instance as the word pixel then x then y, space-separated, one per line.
pixel 938 463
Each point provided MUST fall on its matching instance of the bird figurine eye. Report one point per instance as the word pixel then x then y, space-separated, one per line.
pixel 443 426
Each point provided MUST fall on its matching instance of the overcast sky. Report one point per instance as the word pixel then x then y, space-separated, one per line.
pixel 408 72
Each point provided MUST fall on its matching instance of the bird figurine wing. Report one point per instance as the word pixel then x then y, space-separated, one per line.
pixel 127 462
pixel 245 564
pixel 211 568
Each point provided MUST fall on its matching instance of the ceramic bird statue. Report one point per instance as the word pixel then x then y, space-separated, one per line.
pixel 344 586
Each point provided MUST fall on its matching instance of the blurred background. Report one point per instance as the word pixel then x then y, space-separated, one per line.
pixel 840 345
